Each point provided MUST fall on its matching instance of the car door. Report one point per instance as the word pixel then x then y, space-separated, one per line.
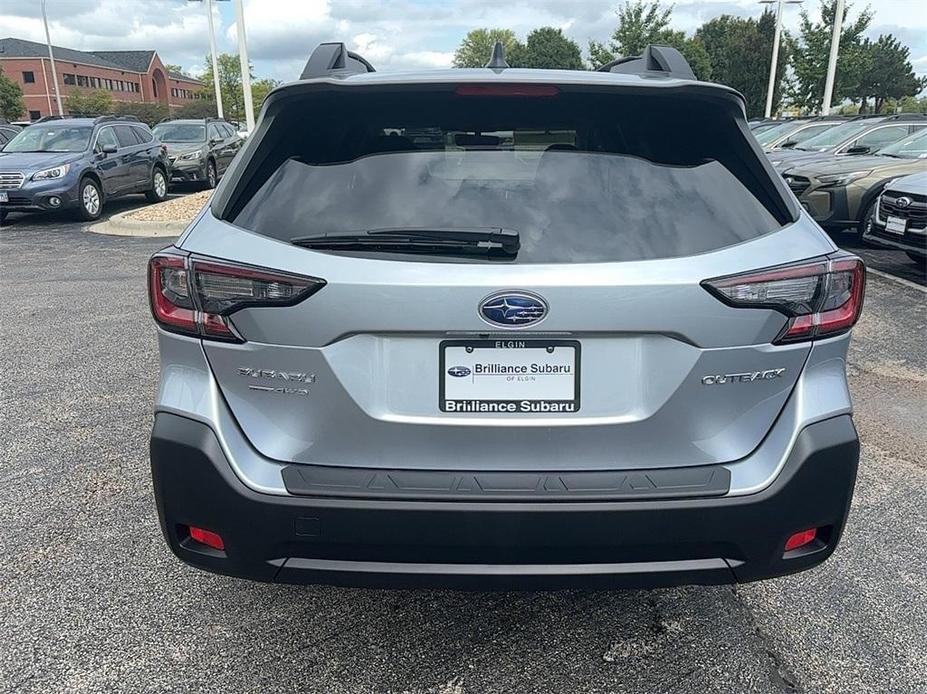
pixel 150 150
pixel 132 155
pixel 216 141
pixel 113 171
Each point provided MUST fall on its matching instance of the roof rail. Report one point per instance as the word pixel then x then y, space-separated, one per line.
pixel 334 60
pixel 655 59
pixel 45 119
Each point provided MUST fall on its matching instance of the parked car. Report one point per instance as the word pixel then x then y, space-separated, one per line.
pixel 612 357
pixel 7 131
pixel 900 220
pixel 841 192
pixel 862 135
pixel 200 150
pixel 791 133
pixel 80 164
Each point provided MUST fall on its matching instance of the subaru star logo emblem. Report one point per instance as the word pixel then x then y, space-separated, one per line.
pixel 903 202
pixel 513 309
pixel 459 371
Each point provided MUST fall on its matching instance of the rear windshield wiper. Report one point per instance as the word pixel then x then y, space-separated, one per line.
pixel 486 241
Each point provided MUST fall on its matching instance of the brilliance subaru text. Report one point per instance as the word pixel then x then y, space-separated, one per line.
pixel 566 339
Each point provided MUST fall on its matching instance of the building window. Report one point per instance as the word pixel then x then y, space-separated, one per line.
pixel 29 77
pixel 69 78
pixel 35 115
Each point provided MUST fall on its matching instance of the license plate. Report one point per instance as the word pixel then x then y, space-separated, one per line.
pixel 896 225
pixel 509 376
pixel 4 196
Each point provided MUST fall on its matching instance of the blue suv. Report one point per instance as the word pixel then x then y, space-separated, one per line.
pixel 79 164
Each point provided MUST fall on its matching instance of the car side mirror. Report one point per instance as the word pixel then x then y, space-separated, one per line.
pixel 788 144
pixel 859 149
pixel 109 149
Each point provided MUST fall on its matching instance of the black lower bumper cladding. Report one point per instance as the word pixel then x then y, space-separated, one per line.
pixel 475 541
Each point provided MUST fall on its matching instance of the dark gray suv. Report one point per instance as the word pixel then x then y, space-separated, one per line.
pixel 79 164
pixel 200 150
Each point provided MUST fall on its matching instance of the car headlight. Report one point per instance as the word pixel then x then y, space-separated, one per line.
pixel 844 178
pixel 195 154
pixel 56 172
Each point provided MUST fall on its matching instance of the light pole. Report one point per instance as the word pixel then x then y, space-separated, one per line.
pixel 832 61
pixel 215 57
pixel 245 65
pixel 51 58
pixel 774 65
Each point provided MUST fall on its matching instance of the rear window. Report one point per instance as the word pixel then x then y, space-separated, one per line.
pixel 580 177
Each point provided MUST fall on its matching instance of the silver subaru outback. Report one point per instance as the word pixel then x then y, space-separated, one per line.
pixel 502 328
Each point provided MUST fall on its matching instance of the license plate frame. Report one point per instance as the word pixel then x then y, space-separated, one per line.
pixel 896 225
pixel 513 348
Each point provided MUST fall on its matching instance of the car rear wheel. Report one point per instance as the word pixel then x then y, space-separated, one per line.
pixel 158 190
pixel 89 200
pixel 866 221
pixel 211 176
pixel 918 259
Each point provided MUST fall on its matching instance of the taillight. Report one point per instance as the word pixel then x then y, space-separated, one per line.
pixel 821 298
pixel 195 297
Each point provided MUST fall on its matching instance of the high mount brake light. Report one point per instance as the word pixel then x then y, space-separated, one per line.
pixel 506 90
pixel 195 297
pixel 821 298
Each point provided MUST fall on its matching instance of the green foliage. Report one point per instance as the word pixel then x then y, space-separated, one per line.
pixel 912 104
pixel 233 100
pixel 476 48
pixel 885 73
pixel 547 47
pixel 740 53
pixel 12 104
pixel 642 23
pixel 202 108
pixel 811 50
pixel 150 113
pixel 89 102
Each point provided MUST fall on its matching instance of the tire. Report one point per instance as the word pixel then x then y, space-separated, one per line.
pixel 89 200
pixel 866 221
pixel 920 260
pixel 158 190
pixel 3 214
pixel 212 176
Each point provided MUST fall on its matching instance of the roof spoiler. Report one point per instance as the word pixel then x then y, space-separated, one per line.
pixel 334 60
pixel 664 60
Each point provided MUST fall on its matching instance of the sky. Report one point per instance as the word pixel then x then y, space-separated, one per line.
pixel 398 35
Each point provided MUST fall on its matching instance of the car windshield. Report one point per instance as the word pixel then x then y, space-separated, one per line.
pixel 773 134
pixel 180 132
pixel 51 137
pixel 914 147
pixel 830 138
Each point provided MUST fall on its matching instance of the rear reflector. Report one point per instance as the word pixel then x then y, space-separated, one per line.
pixel 206 537
pixel 195 297
pixel 821 298
pixel 805 537
pixel 506 90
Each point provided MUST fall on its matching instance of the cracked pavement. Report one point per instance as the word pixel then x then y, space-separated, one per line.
pixel 91 600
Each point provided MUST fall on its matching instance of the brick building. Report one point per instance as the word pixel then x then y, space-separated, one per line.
pixel 134 76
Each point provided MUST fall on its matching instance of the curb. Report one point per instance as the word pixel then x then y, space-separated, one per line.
pixel 119 225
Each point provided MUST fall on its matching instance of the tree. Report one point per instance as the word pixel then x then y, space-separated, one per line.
pixel 201 108
pixel 89 102
pixel 233 101
pixel 547 47
pixel 740 52
pixel 811 51
pixel 147 112
pixel 643 23
pixel 171 67
pixel 885 73
pixel 476 48
pixel 12 104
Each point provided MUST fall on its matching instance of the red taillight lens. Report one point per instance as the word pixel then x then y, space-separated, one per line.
pixel 805 537
pixel 195 297
pixel 821 298
pixel 207 537
pixel 506 90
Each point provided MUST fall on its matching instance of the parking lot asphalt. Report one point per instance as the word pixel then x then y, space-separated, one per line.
pixel 91 599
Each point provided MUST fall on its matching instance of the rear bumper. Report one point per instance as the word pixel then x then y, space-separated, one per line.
pixel 493 544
